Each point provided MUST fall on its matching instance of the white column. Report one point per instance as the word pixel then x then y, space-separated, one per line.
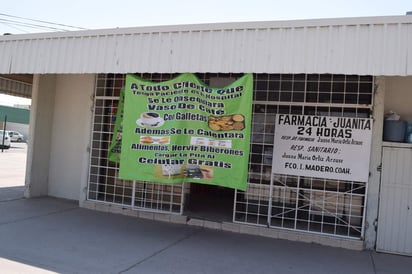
pixel 41 120
pixel 69 153
pixel 372 202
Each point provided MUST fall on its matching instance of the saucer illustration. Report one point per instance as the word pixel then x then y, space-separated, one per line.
pixel 146 123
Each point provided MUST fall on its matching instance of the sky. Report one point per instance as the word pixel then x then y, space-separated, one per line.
pixel 97 14
pixel 7 100
pixel 100 14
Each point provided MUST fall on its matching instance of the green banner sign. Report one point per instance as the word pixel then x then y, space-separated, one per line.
pixel 116 144
pixel 182 130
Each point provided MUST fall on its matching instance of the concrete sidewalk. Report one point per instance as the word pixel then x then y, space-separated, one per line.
pixel 51 235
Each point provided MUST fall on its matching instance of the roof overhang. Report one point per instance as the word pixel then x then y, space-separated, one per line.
pixel 16 85
pixel 365 46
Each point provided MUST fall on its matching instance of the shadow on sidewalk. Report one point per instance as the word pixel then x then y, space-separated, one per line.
pixel 11 193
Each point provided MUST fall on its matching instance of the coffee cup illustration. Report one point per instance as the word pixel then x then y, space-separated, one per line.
pixel 151 119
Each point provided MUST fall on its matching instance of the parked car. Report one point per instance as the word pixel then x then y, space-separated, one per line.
pixel 16 136
pixel 4 140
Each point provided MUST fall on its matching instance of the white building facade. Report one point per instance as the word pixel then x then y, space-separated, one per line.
pixel 357 67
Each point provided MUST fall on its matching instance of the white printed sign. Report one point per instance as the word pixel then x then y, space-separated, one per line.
pixel 322 147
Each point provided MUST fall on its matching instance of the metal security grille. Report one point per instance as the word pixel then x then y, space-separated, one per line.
pixel 104 183
pixel 296 202
pixel 289 202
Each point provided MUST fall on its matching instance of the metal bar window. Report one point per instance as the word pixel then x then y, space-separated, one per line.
pixel 104 183
pixel 302 203
pixel 289 202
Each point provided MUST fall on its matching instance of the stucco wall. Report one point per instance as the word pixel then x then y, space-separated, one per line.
pixel 397 96
pixel 70 136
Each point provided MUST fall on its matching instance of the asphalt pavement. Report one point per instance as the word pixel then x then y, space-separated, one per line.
pixel 49 235
pixel 13 171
